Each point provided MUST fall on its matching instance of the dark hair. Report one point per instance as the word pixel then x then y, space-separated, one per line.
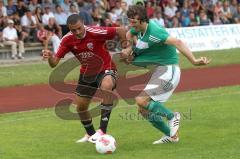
pixel 73 19
pixel 137 10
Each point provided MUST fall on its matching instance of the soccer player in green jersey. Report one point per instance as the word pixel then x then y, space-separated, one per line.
pixel 154 46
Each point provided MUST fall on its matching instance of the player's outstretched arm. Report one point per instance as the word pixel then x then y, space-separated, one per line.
pixel 121 32
pixel 127 53
pixel 181 46
pixel 52 60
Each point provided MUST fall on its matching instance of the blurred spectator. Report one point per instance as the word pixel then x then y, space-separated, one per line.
pixel 82 5
pixel 158 19
pixel 118 9
pixel 21 8
pixel 11 8
pixel 73 10
pixel 226 11
pixel 185 9
pixel 22 35
pixel 33 5
pixel 47 15
pixel 107 22
pixel 208 5
pixel 150 9
pixel 112 15
pixel 197 6
pixel 66 6
pixel 223 18
pixel 61 19
pixel 46 36
pixel 54 27
pixel 48 3
pixel 86 6
pixel 1 39
pixel 3 10
pixel 138 2
pixel 10 38
pixel 29 24
pixel 175 22
pixel 103 7
pixel 38 15
pixel 129 2
pixel 170 10
pixel 185 21
pixel 217 8
pixel 217 20
pixel 87 18
pixel 193 19
pixel 112 3
pixel 236 17
pixel 96 16
pixel 203 18
pixel 123 15
pixel 233 7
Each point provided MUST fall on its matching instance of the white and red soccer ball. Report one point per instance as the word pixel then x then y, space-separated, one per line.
pixel 106 144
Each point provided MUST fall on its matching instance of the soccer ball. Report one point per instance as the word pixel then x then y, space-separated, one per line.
pixel 105 144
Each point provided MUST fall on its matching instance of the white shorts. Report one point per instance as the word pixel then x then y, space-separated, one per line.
pixel 163 82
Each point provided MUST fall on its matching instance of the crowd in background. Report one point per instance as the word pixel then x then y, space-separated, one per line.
pixel 45 20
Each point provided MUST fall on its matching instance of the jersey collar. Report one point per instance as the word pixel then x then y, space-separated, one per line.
pixel 144 32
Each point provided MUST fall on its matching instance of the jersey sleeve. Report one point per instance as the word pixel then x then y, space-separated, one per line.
pixel 111 33
pixel 159 35
pixel 103 33
pixel 63 49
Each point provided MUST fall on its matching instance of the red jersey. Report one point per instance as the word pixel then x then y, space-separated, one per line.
pixel 90 50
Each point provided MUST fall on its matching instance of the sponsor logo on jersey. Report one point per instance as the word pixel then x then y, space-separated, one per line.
pixel 90 46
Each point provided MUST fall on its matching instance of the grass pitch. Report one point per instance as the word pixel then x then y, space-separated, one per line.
pixel 209 130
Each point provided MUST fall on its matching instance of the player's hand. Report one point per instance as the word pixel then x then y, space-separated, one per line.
pixel 201 61
pixel 126 52
pixel 128 59
pixel 46 54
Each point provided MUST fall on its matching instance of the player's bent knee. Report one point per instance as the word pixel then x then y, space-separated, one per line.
pixel 81 107
pixel 106 86
pixel 141 102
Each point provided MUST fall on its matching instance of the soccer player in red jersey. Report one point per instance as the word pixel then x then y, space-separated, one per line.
pixel 97 69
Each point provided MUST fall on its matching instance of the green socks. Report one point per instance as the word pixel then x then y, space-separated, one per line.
pixel 157 107
pixel 158 123
pixel 156 112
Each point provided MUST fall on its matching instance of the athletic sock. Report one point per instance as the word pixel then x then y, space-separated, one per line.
pixel 157 107
pixel 88 127
pixel 106 110
pixel 157 121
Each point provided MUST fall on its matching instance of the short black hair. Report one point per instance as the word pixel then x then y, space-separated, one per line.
pixel 137 10
pixel 74 18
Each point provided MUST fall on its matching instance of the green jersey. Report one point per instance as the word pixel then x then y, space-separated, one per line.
pixel 150 48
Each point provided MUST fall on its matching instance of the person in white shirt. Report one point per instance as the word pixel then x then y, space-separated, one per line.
pixel 170 10
pixel 3 9
pixel 47 14
pixel 29 25
pixel 158 19
pixel 10 38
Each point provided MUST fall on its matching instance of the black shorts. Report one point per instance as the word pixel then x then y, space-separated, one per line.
pixel 88 85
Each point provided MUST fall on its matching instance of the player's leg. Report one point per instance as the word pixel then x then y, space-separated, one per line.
pixel 85 90
pixel 152 115
pixel 85 117
pixel 107 85
pixel 160 88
